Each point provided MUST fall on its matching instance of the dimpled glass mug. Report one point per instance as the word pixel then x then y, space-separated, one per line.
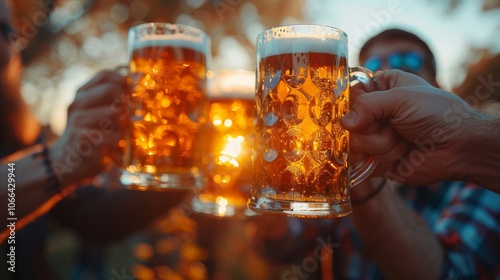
pixel 301 152
pixel 167 73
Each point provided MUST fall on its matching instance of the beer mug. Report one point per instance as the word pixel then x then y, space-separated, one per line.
pixel 167 75
pixel 226 154
pixel 302 166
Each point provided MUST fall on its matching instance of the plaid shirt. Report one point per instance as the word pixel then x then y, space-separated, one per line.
pixel 464 218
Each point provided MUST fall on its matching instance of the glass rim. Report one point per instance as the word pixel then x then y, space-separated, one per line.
pixel 306 25
pixel 168 24
pixel 181 35
pixel 301 38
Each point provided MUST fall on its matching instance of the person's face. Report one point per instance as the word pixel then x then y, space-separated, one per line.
pixel 400 54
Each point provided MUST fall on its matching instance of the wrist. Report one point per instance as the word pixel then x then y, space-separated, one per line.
pixel 481 147
pixel 54 183
pixel 64 163
pixel 367 190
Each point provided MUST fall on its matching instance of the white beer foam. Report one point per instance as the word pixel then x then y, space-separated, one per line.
pixel 171 40
pixel 285 45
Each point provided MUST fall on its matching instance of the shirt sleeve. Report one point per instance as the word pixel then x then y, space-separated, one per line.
pixel 468 228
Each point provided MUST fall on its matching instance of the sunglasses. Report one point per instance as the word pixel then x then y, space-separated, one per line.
pixel 406 61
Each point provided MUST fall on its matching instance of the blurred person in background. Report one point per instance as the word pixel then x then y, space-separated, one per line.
pixel 50 171
pixel 398 231
pixel 43 167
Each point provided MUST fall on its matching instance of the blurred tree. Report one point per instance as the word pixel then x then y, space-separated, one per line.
pixel 64 41
pixel 482 61
pixel 481 86
pixel 240 19
pixel 487 5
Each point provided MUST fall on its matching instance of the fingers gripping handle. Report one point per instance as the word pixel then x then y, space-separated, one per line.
pixel 365 77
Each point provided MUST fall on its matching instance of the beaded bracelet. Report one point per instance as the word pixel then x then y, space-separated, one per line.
pixel 54 184
pixel 371 195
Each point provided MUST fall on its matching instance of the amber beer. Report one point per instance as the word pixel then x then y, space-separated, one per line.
pixel 301 154
pixel 226 154
pixel 167 74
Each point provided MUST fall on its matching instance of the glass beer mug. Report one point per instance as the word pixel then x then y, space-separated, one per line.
pixel 226 153
pixel 301 157
pixel 167 75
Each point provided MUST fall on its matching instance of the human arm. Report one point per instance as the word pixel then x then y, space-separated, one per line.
pixel 482 153
pixel 76 155
pixel 29 189
pixel 394 236
pixel 99 215
pixel 423 134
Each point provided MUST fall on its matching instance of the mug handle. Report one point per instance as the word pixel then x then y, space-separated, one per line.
pixel 366 77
